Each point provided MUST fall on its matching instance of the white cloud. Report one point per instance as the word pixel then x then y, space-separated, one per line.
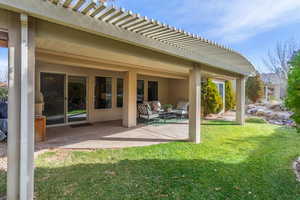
pixel 3 64
pixel 242 20
pixel 3 69
pixel 237 20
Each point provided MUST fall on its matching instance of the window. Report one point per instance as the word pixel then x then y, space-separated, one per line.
pixel 103 95
pixel 120 92
pixel 221 89
pixel 152 91
pixel 140 91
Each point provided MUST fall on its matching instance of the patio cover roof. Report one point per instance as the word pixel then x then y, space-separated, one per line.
pixel 125 26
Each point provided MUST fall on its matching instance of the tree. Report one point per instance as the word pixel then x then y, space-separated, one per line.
pixel 3 93
pixel 211 99
pixel 278 59
pixel 292 100
pixel 254 88
pixel 229 96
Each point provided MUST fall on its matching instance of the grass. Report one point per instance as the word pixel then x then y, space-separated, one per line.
pixel 76 112
pixel 233 162
pixel 255 120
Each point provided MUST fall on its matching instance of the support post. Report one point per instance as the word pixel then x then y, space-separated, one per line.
pixel 20 177
pixel 14 106
pixel 240 100
pixel 130 98
pixel 266 93
pixel 195 105
pixel 27 107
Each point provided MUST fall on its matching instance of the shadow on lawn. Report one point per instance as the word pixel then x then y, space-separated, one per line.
pixel 219 122
pixel 265 174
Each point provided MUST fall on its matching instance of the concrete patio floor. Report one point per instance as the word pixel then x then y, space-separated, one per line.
pixel 113 135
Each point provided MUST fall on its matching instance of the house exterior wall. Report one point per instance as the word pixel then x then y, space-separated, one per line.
pixel 163 87
pixel 272 92
pixel 97 115
pixel 178 90
pixel 3 19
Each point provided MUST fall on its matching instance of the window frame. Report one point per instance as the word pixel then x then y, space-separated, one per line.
pixel 157 97
pixel 111 93
pixel 117 81
pixel 143 89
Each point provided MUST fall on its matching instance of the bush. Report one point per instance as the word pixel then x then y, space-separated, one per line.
pixel 254 88
pixel 211 100
pixel 292 100
pixel 3 93
pixel 229 96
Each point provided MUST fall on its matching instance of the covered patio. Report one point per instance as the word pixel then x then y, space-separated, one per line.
pixel 113 135
pixel 96 46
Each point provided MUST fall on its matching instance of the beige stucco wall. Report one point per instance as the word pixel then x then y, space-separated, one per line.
pixel 178 90
pixel 163 87
pixel 63 39
pixel 3 19
pixel 102 114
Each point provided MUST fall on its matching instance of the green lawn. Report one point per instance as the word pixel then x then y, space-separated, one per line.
pixel 233 162
pixel 76 112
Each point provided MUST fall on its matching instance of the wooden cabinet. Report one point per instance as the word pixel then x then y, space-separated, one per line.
pixel 40 128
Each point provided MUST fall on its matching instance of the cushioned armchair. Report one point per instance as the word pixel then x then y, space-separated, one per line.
pixel 145 112
pixel 182 108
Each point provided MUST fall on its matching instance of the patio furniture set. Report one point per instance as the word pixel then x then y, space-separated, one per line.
pixel 150 111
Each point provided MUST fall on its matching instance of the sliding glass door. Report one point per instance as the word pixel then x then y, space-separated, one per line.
pixel 65 98
pixel 53 90
pixel 76 99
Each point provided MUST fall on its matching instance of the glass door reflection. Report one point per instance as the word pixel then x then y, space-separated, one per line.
pixel 77 99
pixel 53 90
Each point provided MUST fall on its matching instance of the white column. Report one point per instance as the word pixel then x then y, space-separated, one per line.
pixel 129 100
pixel 195 105
pixel 266 93
pixel 14 107
pixel 27 109
pixel 240 100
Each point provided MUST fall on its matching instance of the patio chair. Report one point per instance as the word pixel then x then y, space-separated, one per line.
pixel 145 112
pixel 182 109
pixel 156 107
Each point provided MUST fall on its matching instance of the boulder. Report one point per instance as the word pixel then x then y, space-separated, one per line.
pixel 280 116
pixel 276 107
pixel 260 112
pixel 274 112
pixel 251 106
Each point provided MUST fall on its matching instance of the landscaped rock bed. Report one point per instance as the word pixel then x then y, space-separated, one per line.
pixel 274 113
pixel 296 166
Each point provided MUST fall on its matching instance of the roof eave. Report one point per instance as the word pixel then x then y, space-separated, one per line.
pixel 52 13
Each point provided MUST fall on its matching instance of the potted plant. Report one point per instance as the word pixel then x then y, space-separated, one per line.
pixel 168 107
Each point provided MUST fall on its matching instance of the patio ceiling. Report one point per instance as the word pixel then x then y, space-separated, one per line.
pixel 125 26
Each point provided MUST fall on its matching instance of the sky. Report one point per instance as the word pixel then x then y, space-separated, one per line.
pixel 250 27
